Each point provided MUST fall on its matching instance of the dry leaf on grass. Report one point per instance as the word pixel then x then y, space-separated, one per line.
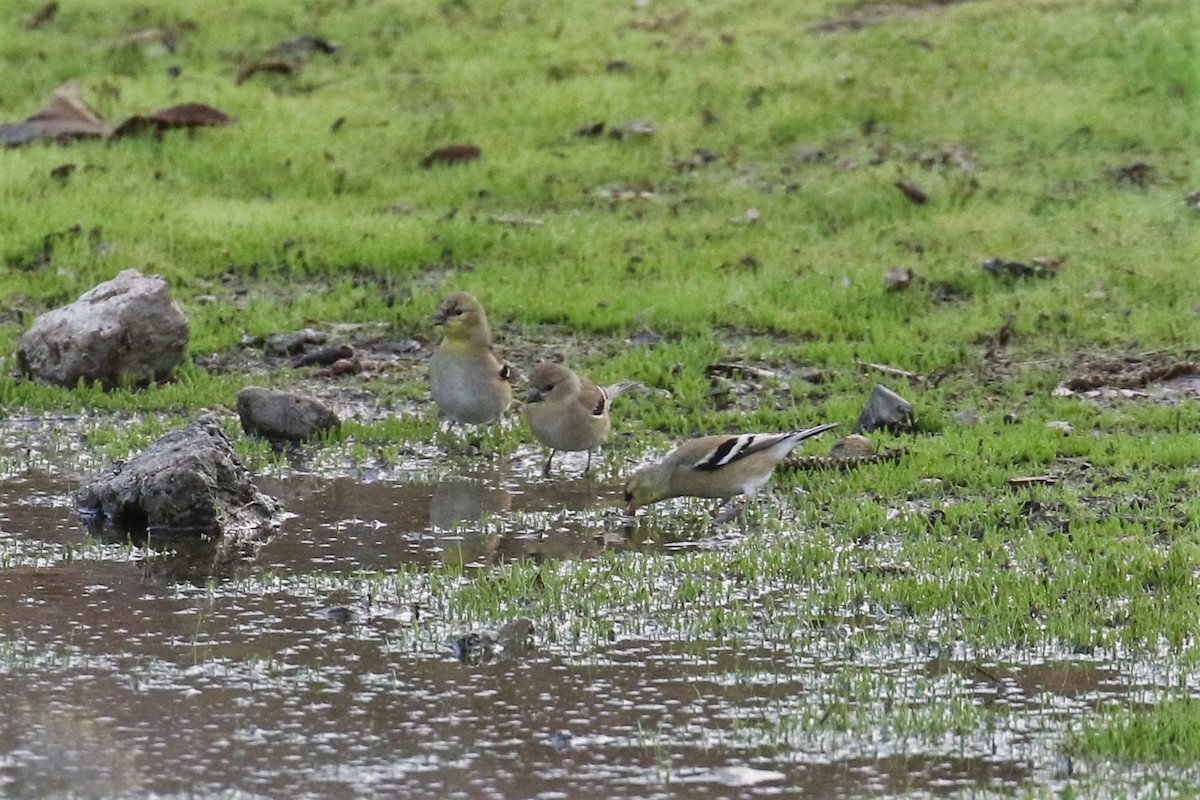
pixel 279 66
pixel 913 192
pixel 452 154
pixel 67 117
pixel 590 129
pixel 186 115
pixel 40 17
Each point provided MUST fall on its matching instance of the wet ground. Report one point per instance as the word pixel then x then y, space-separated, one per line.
pixel 123 674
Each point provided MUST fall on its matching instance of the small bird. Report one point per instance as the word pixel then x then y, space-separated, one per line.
pixel 715 466
pixel 567 411
pixel 468 382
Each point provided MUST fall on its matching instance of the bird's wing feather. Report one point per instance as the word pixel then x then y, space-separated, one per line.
pixel 593 398
pixel 735 448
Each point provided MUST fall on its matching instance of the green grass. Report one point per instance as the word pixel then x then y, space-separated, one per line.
pixel 1163 733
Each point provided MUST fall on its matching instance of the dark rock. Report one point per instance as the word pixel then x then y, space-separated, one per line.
pixel 273 414
pixel 189 481
pixel 885 409
pixel 124 330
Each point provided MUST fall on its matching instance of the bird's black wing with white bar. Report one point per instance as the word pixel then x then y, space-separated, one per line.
pixel 738 447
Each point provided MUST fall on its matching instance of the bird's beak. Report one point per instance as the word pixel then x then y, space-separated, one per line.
pixel 440 318
pixel 533 396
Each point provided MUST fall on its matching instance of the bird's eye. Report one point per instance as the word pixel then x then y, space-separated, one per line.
pixel 456 312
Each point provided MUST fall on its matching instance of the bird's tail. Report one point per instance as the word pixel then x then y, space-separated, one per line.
pixel 619 388
pixel 800 436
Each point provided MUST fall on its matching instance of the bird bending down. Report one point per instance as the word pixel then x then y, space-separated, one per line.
pixel 468 382
pixel 567 411
pixel 715 466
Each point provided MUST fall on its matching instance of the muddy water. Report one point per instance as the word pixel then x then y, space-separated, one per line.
pixel 121 680
pixel 473 520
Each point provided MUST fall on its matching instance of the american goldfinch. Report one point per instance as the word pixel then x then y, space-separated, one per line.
pixel 567 411
pixel 715 466
pixel 468 382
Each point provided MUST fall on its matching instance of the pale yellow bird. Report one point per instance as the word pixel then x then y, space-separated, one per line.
pixel 567 411
pixel 719 467
pixel 468 381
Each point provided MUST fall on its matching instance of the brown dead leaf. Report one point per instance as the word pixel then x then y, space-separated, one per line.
pixel 41 16
pixel 324 356
pixel 67 117
pixel 913 192
pixel 1136 174
pixel 279 66
pixel 591 129
pixel 185 115
pixel 452 154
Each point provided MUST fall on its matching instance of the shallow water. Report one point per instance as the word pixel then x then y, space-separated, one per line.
pixel 122 675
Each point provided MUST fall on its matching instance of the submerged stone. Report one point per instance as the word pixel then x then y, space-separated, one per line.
pixel 189 481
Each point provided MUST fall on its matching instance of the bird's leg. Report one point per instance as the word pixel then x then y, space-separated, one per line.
pixel 546 468
pixel 729 514
pixel 589 464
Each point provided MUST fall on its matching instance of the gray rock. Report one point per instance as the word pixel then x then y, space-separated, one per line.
pixel 273 414
pixel 885 409
pixel 189 481
pixel 126 329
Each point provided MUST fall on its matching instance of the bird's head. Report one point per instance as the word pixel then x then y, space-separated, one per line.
pixel 646 486
pixel 461 316
pixel 551 382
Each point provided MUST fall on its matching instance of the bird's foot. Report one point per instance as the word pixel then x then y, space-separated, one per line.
pixel 731 513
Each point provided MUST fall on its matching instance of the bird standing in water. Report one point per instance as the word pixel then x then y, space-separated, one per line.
pixel 719 467
pixel 567 411
pixel 468 381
